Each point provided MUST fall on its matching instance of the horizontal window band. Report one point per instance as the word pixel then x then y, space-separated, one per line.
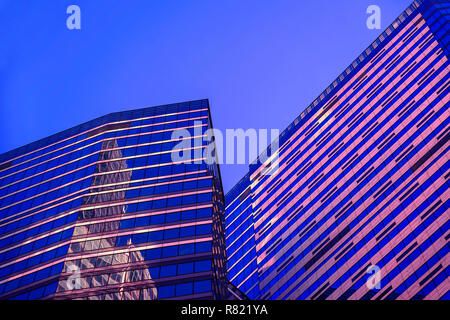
pixel 425 119
pixel 354 121
pixel 109 127
pixel 96 152
pixel 384 293
pixel 111 218
pixel 306 229
pixel 410 190
pixel 365 175
pixel 382 234
pixel 330 193
pixel 315 181
pixel 430 275
pixel 122 171
pixel 326 248
pixel 404 153
pixel 320 290
pixel 405 253
pixel 382 190
pixel 108 251
pixel 370 129
pixel 336 150
pixel 142 284
pixel 5 165
pixel 408 69
pixel 432 209
pixel 378 55
pixel 72 197
pixel 430 152
pixel 343 210
pixel 285 263
pixel 343 251
pixel 406 109
pixel 321 245
pixel 304 168
pixel 361 272
pixel 350 161
pixel 294 213
pixel 110 123
pixel 445 86
pixel 392 62
pixel 273 246
pixel 342 111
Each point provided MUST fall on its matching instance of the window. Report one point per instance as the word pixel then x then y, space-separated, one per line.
pixel 183 289
pixel 201 266
pixel 155 236
pixel 189 199
pixel 170 251
pixel 171 217
pixel 171 233
pixel 202 286
pixel 168 271
pixel 139 238
pixel 204 197
pixel 187 231
pixel 187 249
pixel 153 254
pixel 185 268
pixel 188 215
pixel 166 291
pixel 203 246
pixel 142 221
pixel 205 212
pixel 158 219
pixel 128 223
pixel 203 229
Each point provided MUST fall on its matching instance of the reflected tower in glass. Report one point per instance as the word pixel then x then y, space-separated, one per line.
pixel 101 211
pixel 355 202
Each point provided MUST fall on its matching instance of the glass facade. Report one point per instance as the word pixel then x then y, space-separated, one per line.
pixel 240 239
pixel 100 211
pixel 361 186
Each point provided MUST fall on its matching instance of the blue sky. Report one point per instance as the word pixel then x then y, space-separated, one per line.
pixel 260 63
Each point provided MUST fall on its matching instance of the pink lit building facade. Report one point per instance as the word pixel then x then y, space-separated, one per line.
pixel 357 206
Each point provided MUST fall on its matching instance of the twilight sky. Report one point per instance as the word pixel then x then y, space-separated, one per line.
pixel 260 63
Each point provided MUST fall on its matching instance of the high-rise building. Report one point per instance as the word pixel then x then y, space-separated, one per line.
pixel 355 202
pixel 102 211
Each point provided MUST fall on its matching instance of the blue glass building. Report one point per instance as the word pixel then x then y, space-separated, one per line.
pixel 100 211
